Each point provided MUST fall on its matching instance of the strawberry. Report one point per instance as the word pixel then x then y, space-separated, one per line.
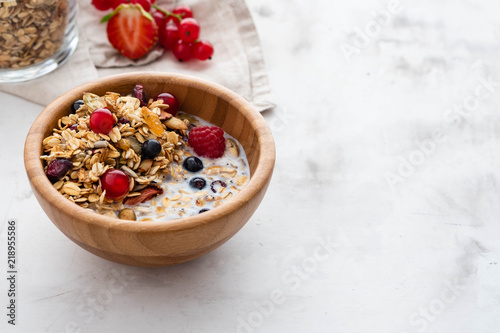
pixel 131 30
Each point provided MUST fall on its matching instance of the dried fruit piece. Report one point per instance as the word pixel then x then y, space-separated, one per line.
pixel 147 193
pixel 152 121
pixel 138 92
pixel 123 121
pixel 164 115
pixel 58 169
pixel 215 183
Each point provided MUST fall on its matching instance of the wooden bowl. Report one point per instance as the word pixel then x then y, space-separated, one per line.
pixel 156 243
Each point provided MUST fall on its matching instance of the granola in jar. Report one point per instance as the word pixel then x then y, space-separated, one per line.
pixel 35 37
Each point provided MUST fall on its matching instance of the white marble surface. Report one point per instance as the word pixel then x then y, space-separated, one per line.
pixel 383 212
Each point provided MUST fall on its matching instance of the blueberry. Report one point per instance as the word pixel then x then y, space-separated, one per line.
pixel 58 169
pixel 150 149
pixel 197 182
pixel 76 105
pixel 203 210
pixel 192 163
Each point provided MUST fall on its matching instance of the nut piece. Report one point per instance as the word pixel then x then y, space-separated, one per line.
pixel 232 148
pixel 135 144
pixel 123 144
pixel 93 102
pixel 127 214
pixel 100 144
pixel 175 123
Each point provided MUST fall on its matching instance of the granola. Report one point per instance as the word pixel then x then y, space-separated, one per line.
pixel 159 188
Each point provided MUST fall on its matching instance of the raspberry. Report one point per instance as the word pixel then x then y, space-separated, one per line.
pixel 207 141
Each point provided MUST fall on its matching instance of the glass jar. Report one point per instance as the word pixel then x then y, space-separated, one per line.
pixel 36 37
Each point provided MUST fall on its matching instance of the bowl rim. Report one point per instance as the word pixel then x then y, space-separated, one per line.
pixel 262 174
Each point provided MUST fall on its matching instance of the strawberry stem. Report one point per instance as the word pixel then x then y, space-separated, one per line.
pixel 126 5
pixel 167 13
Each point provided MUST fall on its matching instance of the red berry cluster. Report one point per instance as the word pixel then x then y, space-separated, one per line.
pixel 177 30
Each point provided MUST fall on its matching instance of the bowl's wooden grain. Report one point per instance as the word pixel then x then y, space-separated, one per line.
pixel 158 243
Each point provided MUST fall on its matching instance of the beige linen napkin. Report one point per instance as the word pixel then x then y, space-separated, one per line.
pixel 237 63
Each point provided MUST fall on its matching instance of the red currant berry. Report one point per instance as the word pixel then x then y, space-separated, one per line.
pixel 160 20
pixel 115 182
pixel 173 103
pixel 189 30
pixel 183 51
pixel 183 12
pixel 203 50
pixel 116 3
pixel 102 4
pixel 169 36
pixel 101 121
pixel 146 4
